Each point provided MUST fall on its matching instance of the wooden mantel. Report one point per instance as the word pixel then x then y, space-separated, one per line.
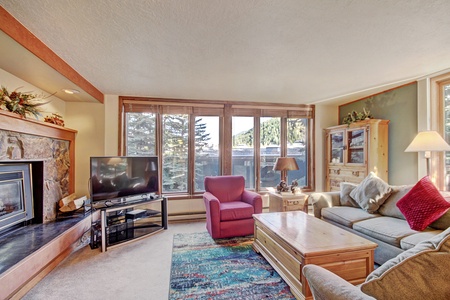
pixel 14 122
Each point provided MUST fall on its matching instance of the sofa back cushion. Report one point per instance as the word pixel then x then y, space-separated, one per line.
pixel 389 207
pixel 345 199
pixel 443 222
pixel 418 273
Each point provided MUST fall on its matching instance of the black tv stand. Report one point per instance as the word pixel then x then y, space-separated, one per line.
pixel 124 221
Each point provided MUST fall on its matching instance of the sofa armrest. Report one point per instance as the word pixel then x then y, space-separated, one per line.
pixel 326 285
pixel 254 199
pixel 322 200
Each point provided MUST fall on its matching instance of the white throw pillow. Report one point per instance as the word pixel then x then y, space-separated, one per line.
pixel 371 193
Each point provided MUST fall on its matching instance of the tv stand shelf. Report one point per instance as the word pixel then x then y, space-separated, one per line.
pixel 124 222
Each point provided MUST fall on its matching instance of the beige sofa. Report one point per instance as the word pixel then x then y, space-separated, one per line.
pixel 418 273
pixel 385 225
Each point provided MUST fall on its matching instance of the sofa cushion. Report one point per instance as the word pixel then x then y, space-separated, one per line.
pixel 412 240
pixel 346 200
pixel 345 215
pixel 414 274
pixel 235 210
pixel 389 207
pixel 371 193
pixel 387 229
pixel 443 222
pixel 423 204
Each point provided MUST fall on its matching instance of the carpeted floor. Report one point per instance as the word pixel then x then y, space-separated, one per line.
pixel 203 268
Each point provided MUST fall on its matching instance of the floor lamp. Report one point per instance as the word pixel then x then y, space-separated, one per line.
pixel 428 141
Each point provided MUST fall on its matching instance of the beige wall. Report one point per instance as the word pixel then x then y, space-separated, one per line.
pixel 399 106
pixel 89 120
pixel 326 115
pixel 111 135
pixel 12 82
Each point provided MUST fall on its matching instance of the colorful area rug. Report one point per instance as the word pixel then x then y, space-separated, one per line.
pixel 203 268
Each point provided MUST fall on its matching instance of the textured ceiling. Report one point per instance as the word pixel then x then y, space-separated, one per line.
pixel 291 51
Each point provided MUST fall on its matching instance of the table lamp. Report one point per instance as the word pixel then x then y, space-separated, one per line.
pixel 284 164
pixel 428 141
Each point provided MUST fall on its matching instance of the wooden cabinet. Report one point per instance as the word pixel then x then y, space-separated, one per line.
pixel 355 150
pixel 281 203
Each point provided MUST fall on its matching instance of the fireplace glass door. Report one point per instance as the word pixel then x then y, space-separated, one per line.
pixel 15 194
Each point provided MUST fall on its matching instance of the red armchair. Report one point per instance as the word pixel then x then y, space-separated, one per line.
pixel 229 207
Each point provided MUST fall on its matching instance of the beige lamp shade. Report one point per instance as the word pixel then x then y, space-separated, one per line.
pixel 428 141
pixel 285 164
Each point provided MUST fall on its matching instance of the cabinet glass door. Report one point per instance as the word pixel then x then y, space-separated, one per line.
pixel 337 147
pixel 355 141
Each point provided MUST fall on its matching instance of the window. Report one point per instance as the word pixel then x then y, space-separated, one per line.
pixel 270 147
pixel 206 149
pixel 175 128
pixel 195 139
pixel 440 121
pixel 243 153
pixel 297 137
pixel 140 133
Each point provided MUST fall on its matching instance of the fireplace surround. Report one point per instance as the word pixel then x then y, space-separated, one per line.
pixel 49 151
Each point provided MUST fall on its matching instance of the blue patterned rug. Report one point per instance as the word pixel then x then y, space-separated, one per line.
pixel 203 268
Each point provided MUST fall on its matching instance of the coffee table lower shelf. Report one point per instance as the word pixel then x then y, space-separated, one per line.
pixel 288 251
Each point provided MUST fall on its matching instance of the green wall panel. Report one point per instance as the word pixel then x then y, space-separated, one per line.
pixel 400 107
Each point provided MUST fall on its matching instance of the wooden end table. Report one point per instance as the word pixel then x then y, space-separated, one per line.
pixel 291 240
pixel 279 202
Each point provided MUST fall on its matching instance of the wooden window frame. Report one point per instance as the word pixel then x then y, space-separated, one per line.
pixel 225 110
pixel 437 120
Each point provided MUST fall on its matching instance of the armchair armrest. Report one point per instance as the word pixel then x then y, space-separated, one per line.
pixel 327 285
pixel 253 199
pixel 212 204
pixel 322 200
pixel 212 207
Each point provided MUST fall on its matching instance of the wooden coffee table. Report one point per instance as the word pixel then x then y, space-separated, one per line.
pixel 291 240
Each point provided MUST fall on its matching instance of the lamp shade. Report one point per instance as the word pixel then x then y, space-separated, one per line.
pixel 285 164
pixel 428 141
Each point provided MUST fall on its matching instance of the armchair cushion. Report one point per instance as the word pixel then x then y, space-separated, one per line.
pixel 225 188
pixel 235 210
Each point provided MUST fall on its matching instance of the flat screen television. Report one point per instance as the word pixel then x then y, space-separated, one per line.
pixel 123 178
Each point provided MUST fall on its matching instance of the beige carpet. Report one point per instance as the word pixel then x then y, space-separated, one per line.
pixel 139 270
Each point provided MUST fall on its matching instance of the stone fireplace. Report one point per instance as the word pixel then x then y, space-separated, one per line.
pixel 49 150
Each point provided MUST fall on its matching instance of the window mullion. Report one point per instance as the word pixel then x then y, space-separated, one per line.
pixel 257 149
pixel 191 154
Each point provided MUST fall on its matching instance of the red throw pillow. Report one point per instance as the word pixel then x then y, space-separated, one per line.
pixel 423 204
